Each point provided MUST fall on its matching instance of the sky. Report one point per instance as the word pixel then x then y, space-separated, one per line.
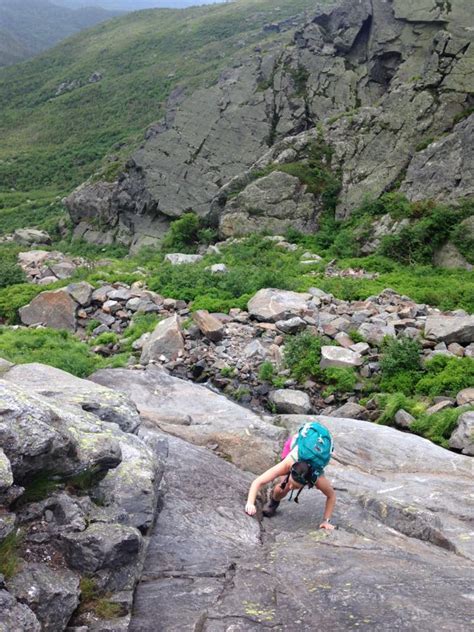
pixel 133 5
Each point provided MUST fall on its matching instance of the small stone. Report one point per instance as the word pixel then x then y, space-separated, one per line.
pixel 403 419
pixel 465 397
pixel 432 410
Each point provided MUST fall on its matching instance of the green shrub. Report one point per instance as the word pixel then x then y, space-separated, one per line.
pixel 439 427
pixel 182 235
pixel 446 376
pixel 105 338
pixel 339 380
pixel 49 346
pixel 10 273
pixel 266 372
pixel 228 371
pixel 302 354
pixel 14 297
pixel 391 404
pixel 141 324
pixel 400 364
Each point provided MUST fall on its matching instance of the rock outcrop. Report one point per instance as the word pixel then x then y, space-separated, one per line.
pixel 377 79
pixel 82 492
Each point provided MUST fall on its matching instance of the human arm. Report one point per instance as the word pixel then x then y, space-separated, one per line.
pixel 325 486
pixel 269 475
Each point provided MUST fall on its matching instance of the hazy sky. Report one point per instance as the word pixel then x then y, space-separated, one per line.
pixel 131 5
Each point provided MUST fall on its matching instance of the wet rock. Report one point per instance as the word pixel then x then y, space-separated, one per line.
pixel 290 401
pixel 54 309
pixel 52 595
pixel 166 340
pixel 463 436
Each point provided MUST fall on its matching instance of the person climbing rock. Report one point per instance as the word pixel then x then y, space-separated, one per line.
pixel 304 457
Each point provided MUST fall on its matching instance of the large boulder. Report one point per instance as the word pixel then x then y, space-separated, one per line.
pixel 54 309
pixel 179 259
pixel 463 435
pixel 450 329
pixel 166 340
pixel 273 203
pixel 31 236
pixel 209 325
pixel 52 594
pixel 211 419
pixel 273 305
pixel 339 357
pixel 61 388
pixel 288 400
pixel 16 616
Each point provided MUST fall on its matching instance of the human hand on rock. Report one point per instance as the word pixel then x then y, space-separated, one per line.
pixel 326 525
pixel 250 509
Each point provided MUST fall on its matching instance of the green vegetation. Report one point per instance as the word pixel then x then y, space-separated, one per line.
pixel 400 364
pixel 10 273
pixel 186 234
pixel 303 354
pixel 339 380
pixel 439 427
pixel 39 487
pixel 93 599
pixel 9 557
pixel 56 348
pixel 390 404
pixel 446 376
pixel 141 324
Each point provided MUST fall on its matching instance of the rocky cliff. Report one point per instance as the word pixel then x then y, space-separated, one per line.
pixel 372 81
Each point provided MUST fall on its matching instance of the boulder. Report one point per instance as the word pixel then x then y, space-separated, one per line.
pixel 61 388
pixel 54 309
pixel 350 410
pixel 339 357
pixel 290 401
pixel 403 419
pixel 37 435
pixel 273 203
pixel 81 292
pixel 219 268
pixel 450 329
pixel 30 236
pixel 52 595
pixel 16 616
pixel 273 305
pixel 449 257
pixel 241 435
pixel 375 333
pixel 179 259
pixel 101 546
pixel 436 408
pixel 463 436
pixel 465 397
pixel 292 325
pixel 5 366
pixel 165 340
pixel 6 476
pixel 209 325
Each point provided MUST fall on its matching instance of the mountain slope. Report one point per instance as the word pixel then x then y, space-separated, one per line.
pixel 58 140
pixel 28 27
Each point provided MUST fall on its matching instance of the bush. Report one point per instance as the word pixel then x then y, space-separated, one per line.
pixel 446 376
pixel 141 324
pixel 391 404
pixel 50 346
pixel 182 235
pixel 440 426
pixel 266 372
pixel 14 297
pixel 339 380
pixel 9 558
pixel 400 364
pixel 10 273
pixel 302 355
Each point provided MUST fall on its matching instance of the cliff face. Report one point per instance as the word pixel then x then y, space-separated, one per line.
pixel 376 77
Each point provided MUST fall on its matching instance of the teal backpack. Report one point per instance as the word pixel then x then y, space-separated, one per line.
pixel 315 446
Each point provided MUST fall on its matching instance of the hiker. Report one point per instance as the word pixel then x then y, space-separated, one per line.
pixel 304 457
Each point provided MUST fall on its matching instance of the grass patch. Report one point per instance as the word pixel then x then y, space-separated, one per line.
pixel 92 599
pixel 9 558
pixel 56 348
pixel 440 426
pixel 446 375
